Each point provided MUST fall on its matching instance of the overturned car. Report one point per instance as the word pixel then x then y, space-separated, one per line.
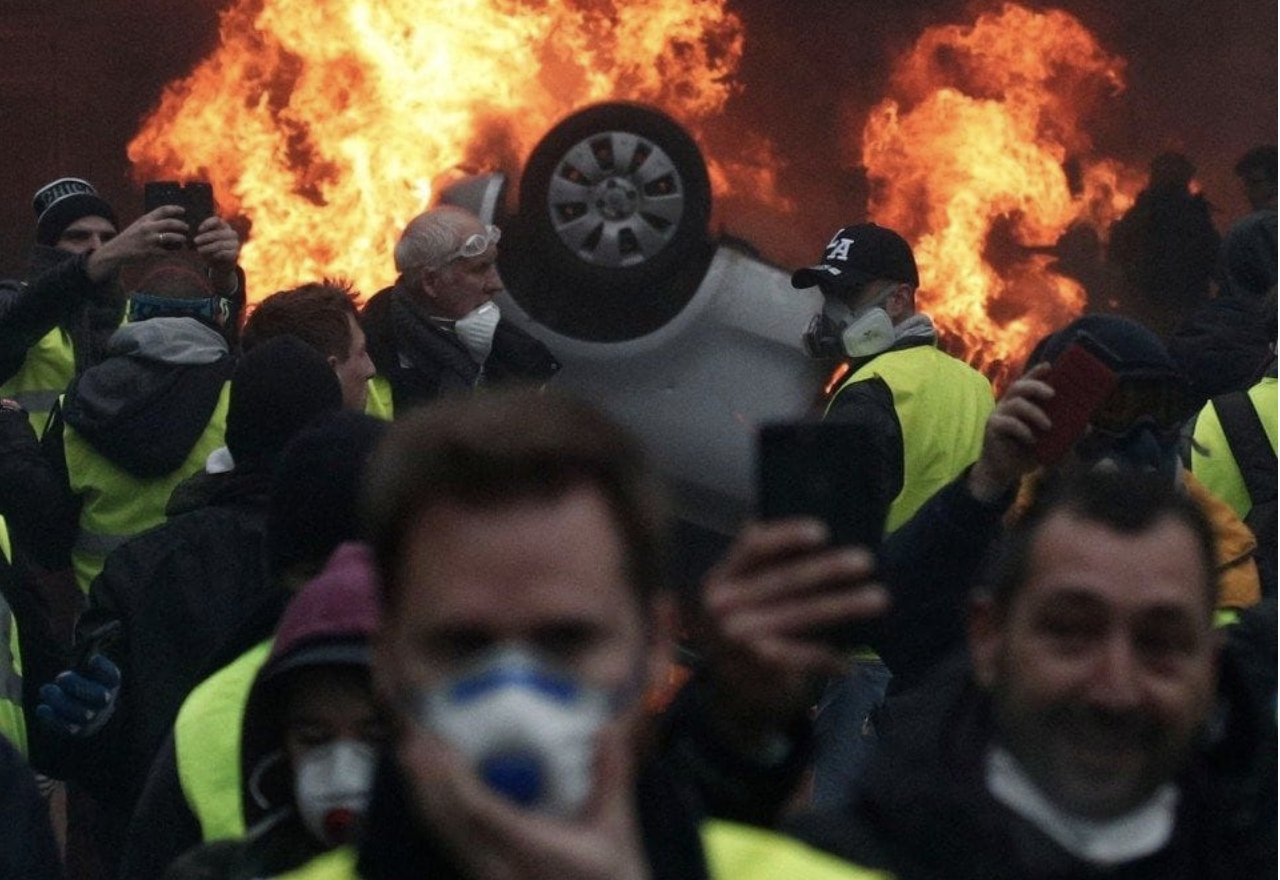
pixel 691 340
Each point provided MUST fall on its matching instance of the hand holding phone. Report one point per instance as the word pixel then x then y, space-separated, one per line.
pixel 827 470
pixel 831 471
pixel 1081 379
pixel 195 198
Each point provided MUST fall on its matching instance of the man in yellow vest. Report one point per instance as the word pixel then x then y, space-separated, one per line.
pixel 924 412
pixel 519 718
pixel 56 323
pixel 147 416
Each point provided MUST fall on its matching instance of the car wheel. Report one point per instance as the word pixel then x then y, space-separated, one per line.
pixel 615 203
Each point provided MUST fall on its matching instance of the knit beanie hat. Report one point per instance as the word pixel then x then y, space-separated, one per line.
pixel 63 202
pixel 277 389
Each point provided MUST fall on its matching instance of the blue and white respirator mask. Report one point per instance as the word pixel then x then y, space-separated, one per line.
pixel 528 730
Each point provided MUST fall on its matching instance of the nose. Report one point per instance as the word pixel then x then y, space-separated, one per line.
pixel 367 369
pixel 493 281
pixel 1116 681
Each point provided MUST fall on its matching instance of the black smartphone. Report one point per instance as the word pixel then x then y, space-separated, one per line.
pixel 827 470
pixel 199 196
pixel 195 199
pixel 1082 378
pixel 91 641
pixel 832 471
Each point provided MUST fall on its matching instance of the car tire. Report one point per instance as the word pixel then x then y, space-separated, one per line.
pixel 615 203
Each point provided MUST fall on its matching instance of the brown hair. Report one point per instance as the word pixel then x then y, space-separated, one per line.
pixel 499 447
pixel 316 313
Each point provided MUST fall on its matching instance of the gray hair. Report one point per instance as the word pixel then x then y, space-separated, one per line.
pixel 431 237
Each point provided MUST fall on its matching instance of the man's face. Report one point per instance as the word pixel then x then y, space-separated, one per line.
pixel 547 574
pixel 355 370
pixel 1104 666
pixel 86 235
pixel 464 283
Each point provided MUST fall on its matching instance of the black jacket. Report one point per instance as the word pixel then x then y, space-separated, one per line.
pixel 27 846
pixel 422 361
pixel 925 811
pixel 395 847
pixel 57 293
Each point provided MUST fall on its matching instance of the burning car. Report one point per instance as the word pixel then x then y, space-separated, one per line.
pixel 690 340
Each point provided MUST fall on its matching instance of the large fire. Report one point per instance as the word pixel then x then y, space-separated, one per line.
pixel 329 125
pixel 326 127
pixel 967 159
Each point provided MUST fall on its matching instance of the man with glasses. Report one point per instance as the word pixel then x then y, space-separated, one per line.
pixel 924 411
pixel 437 331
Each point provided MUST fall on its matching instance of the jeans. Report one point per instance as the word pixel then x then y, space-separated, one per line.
pixel 845 737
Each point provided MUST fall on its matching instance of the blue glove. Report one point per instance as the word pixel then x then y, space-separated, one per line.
pixel 79 702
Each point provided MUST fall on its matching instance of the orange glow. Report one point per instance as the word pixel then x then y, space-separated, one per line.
pixel 973 138
pixel 327 126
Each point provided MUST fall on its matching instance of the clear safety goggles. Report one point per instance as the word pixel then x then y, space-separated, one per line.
pixel 475 244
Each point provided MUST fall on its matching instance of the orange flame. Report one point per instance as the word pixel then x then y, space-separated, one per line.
pixel 969 154
pixel 327 126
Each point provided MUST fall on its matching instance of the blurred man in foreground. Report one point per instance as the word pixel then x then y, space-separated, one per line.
pixel 518 538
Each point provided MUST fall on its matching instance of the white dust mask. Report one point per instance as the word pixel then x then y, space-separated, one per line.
pixel 475 330
pixel 331 785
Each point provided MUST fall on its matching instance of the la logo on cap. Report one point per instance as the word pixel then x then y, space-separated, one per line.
pixel 838 248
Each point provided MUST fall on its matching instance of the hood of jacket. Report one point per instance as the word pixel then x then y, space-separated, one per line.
pixel 328 623
pixel 147 403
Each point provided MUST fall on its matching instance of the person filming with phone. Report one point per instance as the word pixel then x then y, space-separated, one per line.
pixel 55 323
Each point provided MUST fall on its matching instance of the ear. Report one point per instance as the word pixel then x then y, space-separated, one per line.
pixel 986 638
pixel 901 303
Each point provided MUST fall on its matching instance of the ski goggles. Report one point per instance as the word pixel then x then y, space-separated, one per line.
pixel 1162 401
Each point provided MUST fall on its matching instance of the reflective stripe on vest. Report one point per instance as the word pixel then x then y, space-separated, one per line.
pixel 13 725
pixel 117 505
pixel 46 371
pixel 942 406
pixel 206 744
pixel 733 852
pixel 380 402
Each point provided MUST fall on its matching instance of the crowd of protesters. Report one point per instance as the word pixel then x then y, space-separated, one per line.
pixel 310 587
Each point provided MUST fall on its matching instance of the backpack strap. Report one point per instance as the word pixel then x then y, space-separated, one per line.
pixel 1249 444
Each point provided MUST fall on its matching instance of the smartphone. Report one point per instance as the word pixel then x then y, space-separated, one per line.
pixel 195 199
pixel 827 470
pixel 91 641
pixel 161 192
pixel 199 197
pixel 1082 378
pixel 832 471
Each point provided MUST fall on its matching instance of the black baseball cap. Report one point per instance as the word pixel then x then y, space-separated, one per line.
pixel 858 254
